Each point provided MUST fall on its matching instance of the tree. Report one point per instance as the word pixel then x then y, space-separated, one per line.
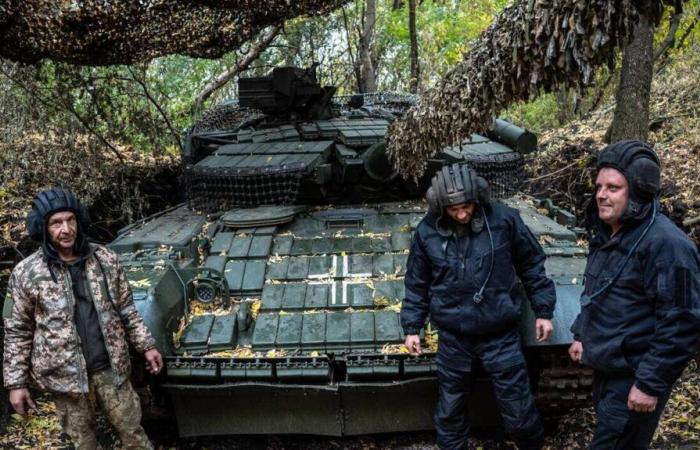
pixel 414 84
pixel 631 116
pixel 368 77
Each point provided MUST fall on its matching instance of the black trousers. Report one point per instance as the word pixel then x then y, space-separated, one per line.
pixel 618 427
pixel 503 359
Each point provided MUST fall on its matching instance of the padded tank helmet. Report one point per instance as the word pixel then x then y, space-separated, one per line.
pixel 640 165
pixel 52 201
pixel 453 185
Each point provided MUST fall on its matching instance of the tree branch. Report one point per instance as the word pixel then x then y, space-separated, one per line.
pixel 240 66
pixel 51 102
pixel 355 66
pixel 670 38
pixel 676 44
pixel 150 98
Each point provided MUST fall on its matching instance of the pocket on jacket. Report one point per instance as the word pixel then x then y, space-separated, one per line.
pixel 608 355
pixel 502 274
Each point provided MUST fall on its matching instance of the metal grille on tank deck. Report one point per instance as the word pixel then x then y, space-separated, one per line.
pixel 505 173
pixel 211 189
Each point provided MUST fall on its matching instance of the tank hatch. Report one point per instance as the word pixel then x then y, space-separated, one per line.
pixel 175 229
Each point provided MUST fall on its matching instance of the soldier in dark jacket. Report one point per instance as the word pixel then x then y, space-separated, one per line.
pixel 462 268
pixel 640 310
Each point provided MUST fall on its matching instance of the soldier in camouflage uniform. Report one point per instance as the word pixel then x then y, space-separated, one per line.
pixel 69 318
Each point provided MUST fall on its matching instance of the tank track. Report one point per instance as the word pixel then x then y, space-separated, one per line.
pixel 563 384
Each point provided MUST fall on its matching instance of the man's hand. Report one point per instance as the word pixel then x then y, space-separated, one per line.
pixel 413 344
pixel 640 402
pixel 21 399
pixel 154 362
pixel 576 351
pixel 543 329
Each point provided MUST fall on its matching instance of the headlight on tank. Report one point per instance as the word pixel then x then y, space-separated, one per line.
pixel 205 291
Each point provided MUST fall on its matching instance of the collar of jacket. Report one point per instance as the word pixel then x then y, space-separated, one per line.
pixel 52 262
pixel 445 226
pixel 600 234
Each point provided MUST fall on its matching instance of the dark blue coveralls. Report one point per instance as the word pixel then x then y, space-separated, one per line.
pixel 443 273
pixel 643 329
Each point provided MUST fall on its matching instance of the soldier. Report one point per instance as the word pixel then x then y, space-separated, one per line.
pixel 462 270
pixel 640 310
pixel 69 317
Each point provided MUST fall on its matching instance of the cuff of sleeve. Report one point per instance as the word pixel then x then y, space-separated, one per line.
pixel 544 314
pixel 148 347
pixel 646 389
pixel 12 387
pixel 409 330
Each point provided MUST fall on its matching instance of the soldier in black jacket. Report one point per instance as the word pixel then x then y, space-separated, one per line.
pixel 462 270
pixel 640 310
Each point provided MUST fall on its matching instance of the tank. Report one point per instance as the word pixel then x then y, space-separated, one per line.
pixel 274 292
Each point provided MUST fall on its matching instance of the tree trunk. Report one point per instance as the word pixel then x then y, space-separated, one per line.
pixel 368 79
pixel 414 84
pixel 243 64
pixel 631 117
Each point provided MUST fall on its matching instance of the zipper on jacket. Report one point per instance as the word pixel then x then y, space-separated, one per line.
pixel 462 266
pixel 100 318
pixel 83 378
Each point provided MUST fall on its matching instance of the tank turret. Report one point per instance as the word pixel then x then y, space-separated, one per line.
pixel 276 289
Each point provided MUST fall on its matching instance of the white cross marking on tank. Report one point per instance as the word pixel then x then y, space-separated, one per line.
pixel 328 274
pixel 347 274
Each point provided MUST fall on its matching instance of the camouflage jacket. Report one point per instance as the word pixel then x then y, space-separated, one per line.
pixel 41 340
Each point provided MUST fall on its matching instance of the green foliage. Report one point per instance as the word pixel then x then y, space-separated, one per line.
pixel 445 32
pixel 537 115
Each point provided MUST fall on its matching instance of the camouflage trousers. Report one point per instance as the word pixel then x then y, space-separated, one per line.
pixel 120 404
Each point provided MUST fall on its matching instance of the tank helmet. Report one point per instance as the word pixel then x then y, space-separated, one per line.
pixel 455 184
pixel 52 201
pixel 640 165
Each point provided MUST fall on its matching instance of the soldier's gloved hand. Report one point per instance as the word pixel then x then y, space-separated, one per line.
pixel 154 361
pixel 21 399
pixel 640 402
pixel 576 351
pixel 543 329
pixel 413 344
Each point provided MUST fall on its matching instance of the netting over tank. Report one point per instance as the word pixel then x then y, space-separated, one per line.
pixel 98 32
pixel 211 189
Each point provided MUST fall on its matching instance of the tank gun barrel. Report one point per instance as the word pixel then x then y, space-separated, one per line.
pixel 520 139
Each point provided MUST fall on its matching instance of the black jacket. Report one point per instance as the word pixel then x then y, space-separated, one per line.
pixel 443 273
pixel 648 321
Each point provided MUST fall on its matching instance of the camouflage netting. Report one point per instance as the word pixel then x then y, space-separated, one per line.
pixel 533 45
pixel 97 32
pixel 224 117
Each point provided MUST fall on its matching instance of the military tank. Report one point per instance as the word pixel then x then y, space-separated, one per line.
pixel 274 292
